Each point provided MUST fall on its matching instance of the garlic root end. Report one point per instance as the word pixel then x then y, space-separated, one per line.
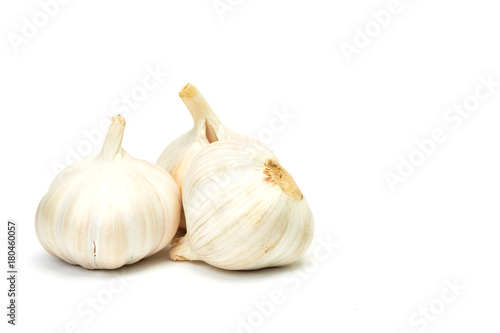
pixel 181 250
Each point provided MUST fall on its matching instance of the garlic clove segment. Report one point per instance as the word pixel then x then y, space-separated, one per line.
pixel 243 210
pixel 109 209
pixel 207 129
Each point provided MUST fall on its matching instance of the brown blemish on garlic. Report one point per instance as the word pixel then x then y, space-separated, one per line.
pixel 268 248
pixel 277 174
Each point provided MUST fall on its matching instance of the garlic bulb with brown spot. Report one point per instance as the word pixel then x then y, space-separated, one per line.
pixel 109 209
pixel 243 210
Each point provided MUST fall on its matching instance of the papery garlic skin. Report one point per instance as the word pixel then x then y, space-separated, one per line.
pixel 207 129
pixel 243 210
pixel 109 209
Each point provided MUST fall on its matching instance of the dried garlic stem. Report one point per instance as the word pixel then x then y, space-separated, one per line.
pixel 113 142
pixel 200 109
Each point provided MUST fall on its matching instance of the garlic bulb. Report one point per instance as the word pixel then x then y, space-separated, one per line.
pixel 243 210
pixel 108 209
pixel 207 129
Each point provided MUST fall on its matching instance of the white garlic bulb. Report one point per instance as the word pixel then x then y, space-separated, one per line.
pixel 109 209
pixel 243 210
pixel 207 129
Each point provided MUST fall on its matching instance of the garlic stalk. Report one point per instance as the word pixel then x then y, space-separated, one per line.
pixel 207 129
pixel 243 210
pixel 109 209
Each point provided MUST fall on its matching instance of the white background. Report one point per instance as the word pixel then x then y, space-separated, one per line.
pixel 352 122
